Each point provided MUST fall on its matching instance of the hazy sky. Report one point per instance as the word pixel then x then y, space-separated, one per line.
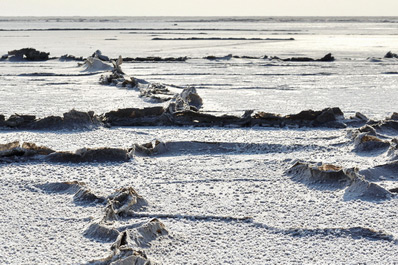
pixel 199 7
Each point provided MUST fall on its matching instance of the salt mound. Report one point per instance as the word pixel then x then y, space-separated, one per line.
pixel 124 256
pixel 392 152
pixel 123 252
pixel 122 201
pixel 85 195
pixel 143 235
pixel 388 170
pixel 151 148
pixel 63 187
pixel 91 155
pixel 388 126
pixel 324 174
pixel 92 64
pixel 365 142
pixel 102 231
pixel 362 189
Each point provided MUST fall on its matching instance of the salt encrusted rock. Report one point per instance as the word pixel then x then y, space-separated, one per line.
pixel 17 120
pixel 361 116
pixel 187 100
pixel 331 176
pixel 82 194
pixel 141 236
pixel 385 126
pixel 85 195
pixel 212 57
pixel 385 171
pixel 391 55
pixel 91 155
pixel 319 174
pixel 394 116
pixel 70 120
pixel 124 249
pixel 362 189
pixel 156 92
pixel 134 117
pixel 122 201
pixel 329 117
pixel 365 142
pixel 124 256
pixel 68 57
pixel 16 151
pixel 155 59
pixel 98 54
pixel 151 148
pixel 102 231
pixel 367 129
pixel 29 54
pixel 327 58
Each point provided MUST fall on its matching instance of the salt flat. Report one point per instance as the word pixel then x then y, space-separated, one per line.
pixel 224 194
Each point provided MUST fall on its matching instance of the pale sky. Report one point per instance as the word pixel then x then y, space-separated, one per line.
pixel 199 8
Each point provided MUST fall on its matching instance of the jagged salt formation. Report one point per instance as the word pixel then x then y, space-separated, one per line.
pixel 153 91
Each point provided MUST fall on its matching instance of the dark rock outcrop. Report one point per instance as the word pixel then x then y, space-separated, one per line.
pixel 391 55
pixel 327 58
pixel 29 54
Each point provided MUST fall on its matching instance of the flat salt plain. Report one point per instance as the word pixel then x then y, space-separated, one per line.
pixel 243 176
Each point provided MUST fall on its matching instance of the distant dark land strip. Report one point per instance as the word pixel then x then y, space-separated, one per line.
pixel 217 38
pixel 151 29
